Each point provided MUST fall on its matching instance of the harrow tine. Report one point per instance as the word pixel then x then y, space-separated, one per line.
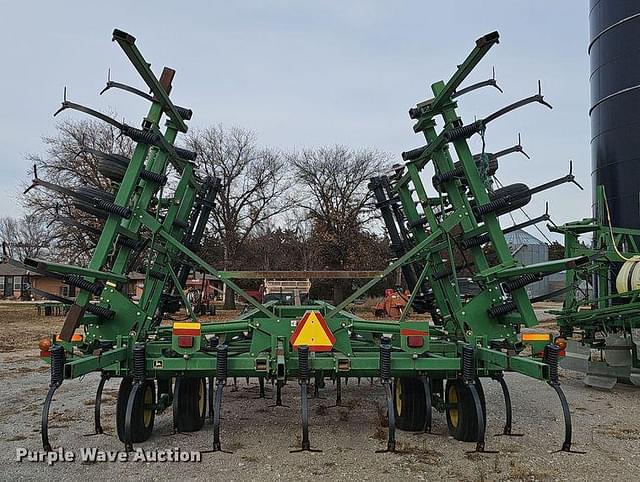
pixel 391 439
pixel 303 380
pixel 566 444
pixel 385 378
pixel 508 409
pixel 45 418
pixel 221 381
pixel 279 384
pixel 551 357
pixel 128 417
pixel 184 112
pixel 98 430
pixel 492 82
pixel 57 375
pixel 426 381
pixel 338 384
pixel 210 396
pixel 473 389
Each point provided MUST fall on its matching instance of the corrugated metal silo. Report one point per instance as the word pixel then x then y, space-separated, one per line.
pixel 529 250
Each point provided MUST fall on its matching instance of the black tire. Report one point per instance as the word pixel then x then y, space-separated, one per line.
pixel 462 419
pixel 409 404
pixel 143 416
pixel 189 403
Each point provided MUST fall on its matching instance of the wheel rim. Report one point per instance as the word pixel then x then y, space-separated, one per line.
pixel 201 397
pixel 453 405
pixel 398 397
pixel 148 405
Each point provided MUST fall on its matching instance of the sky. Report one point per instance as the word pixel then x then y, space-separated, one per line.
pixel 304 74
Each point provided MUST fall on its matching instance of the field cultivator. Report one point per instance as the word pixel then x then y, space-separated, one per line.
pixel 600 315
pixel 423 365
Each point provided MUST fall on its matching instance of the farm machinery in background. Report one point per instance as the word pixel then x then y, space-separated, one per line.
pixel 392 303
pixel 602 326
pixel 183 366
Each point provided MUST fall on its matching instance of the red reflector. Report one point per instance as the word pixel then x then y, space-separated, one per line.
pixel 415 341
pixel 185 341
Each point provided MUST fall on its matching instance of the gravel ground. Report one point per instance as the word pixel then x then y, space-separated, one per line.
pixel 606 426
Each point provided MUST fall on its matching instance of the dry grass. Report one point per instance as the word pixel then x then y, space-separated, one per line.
pixel 22 327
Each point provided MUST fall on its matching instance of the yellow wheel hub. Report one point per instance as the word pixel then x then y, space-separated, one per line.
pixel 453 408
pixel 398 394
pixel 148 405
pixel 201 397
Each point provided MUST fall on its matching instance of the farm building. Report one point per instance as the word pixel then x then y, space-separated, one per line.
pixel 528 249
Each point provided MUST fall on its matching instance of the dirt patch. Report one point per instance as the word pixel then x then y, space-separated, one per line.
pixel 261 435
pixel 22 327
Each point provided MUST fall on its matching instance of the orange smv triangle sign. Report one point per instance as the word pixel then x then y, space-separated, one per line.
pixel 312 330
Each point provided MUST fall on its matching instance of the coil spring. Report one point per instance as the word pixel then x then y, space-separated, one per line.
pixel 414 113
pixel 385 359
pixel 185 154
pixel 443 274
pixel 184 112
pixel 156 177
pixel 551 357
pixel 439 179
pixel 100 311
pixel 491 206
pixel 503 309
pixel 112 208
pixel 464 131
pixel 79 282
pixel 413 153
pixel 303 364
pixel 57 364
pixel 139 355
pixel 105 345
pixel 475 241
pixel 520 282
pixel 468 371
pixel 139 135
pixel 127 242
pixel 156 275
pixel 222 363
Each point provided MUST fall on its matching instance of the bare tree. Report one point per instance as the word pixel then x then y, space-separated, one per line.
pixel 66 162
pixel 255 186
pixel 338 203
pixel 26 237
